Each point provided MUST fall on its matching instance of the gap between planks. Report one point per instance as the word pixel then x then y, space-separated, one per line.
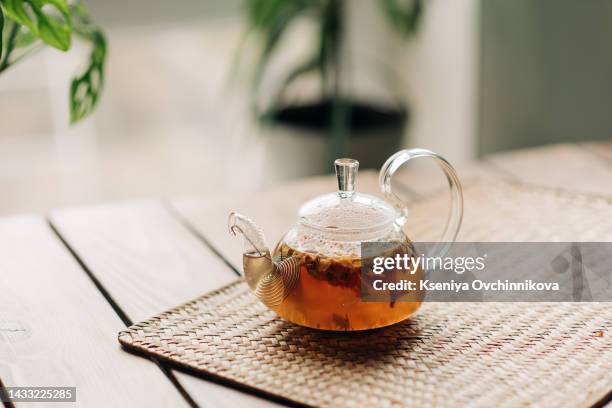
pixel 61 330
pixel 200 236
pixel 204 391
pixel 122 315
pixel 6 404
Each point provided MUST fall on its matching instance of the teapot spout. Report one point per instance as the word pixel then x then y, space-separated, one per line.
pixel 270 281
pixel 254 240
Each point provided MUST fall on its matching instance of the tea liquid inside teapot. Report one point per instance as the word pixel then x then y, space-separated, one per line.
pixel 327 291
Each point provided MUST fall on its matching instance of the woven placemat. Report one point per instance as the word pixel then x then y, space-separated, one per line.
pixel 451 354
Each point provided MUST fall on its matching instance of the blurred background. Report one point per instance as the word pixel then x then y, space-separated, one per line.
pixel 190 106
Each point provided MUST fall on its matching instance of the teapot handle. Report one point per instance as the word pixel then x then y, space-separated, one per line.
pixel 455 216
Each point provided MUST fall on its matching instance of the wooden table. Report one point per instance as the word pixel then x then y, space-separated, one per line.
pixel 72 280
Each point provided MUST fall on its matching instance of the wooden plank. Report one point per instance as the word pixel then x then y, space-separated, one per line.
pixel 56 328
pixel 562 166
pixel 149 262
pixel 602 149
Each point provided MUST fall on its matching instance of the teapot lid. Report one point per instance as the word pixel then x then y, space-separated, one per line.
pixel 355 216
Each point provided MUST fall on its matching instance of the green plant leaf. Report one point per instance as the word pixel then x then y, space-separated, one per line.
pixel 272 18
pixel 19 42
pixel 1 31
pixel 404 17
pixel 86 88
pixel 48 19
pixel 260 13
pixel 308 66
pixel 24 39
pixel 330 31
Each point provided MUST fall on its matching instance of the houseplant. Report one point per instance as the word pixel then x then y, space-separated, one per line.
pixel 335 112
pixel 28 25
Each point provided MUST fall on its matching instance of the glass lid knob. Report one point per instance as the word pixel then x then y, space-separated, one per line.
pixel 346 172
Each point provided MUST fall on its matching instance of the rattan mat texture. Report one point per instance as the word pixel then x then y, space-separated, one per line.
pixel 448 355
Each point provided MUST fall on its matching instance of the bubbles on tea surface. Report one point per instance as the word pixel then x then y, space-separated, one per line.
pixel 309 241
pixel 349 218
pixel 359 212
pixel 336 226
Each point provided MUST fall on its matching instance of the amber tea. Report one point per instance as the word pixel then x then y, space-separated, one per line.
pixel 325 292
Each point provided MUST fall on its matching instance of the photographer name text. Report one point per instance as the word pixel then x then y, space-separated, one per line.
pixel 477 285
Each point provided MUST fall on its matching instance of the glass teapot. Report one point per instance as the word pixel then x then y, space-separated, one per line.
pixel 313 277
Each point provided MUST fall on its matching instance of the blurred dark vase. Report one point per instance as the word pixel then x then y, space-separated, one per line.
pixel 301 135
